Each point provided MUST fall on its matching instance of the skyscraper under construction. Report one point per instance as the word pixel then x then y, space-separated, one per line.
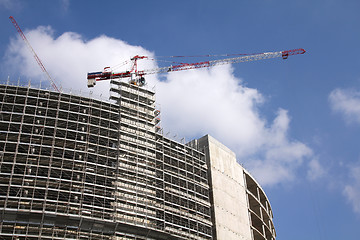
pixel 75 167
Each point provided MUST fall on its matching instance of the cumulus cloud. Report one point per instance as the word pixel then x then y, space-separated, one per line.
pixel 352 191
pixel 214 101
pixel 68 58
pixel 278 157
pixel 346 102
pixel 211 101
pixel 193 103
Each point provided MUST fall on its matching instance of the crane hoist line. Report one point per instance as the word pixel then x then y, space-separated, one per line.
pixel 137 76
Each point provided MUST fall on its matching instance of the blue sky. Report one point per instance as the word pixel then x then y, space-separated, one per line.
pixel 294 124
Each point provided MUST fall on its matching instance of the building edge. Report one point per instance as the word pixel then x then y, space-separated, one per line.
pixel 239 206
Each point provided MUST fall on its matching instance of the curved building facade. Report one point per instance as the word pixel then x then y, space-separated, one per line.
pixel 239 207
pixel 73 167
pixel 260 212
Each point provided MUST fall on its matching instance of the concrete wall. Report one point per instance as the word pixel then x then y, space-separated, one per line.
pixel 230 209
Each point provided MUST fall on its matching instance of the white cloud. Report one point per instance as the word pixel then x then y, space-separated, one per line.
pixel 211 101
pixel 193 103
pixel 214 101
pixel 352 191
pixel 347 102
pixel 278 156
pixel 315 170
pixel 68 58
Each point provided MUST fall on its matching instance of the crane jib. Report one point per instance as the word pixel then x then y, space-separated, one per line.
pixel 137 77
pixel 41 65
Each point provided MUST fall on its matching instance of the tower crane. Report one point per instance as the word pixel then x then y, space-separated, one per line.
pixel 137 77
pixel 34 53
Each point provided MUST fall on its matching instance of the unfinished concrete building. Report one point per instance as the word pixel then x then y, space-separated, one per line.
pixel 239 206
pixel 73 167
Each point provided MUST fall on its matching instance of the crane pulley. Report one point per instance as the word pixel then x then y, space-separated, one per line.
pixel 137 77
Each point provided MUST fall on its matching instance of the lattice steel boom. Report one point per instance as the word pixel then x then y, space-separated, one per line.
pixel 34 53
pixel 137 77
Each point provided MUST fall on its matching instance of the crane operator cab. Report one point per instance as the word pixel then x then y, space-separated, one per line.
pixel 137 80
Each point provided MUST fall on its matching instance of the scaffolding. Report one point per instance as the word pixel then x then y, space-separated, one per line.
pixel 80 168
pixel 169 179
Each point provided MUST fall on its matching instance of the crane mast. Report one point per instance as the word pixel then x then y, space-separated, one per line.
pixel 137 77
pixel 34 53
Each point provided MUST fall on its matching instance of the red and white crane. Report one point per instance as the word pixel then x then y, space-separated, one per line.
pixel 137 77
pixel 34 54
